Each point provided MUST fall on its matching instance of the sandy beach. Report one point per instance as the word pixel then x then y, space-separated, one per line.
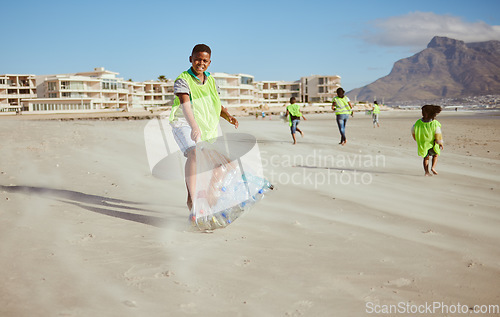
pixel 355 230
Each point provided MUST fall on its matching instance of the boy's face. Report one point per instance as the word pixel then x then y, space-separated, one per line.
pixel 200 62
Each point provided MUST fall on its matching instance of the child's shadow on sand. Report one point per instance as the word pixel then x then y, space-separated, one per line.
pixel 118 208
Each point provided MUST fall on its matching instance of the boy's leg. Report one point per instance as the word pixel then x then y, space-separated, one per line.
pixel 434 163
pixel 342 121
pixel 182 136
pixel 340 124
pixel 190 172
pixel 426 166
pixel 293 128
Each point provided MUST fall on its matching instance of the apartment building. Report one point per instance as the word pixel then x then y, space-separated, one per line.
pixel 95 90
pixel 14 88
pixel 275 93
pixel 318 88
pixel 102 89
pixel 158 93
pixel 237 90
pixel 99 89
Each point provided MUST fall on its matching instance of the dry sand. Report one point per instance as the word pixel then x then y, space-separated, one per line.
pixel 86 230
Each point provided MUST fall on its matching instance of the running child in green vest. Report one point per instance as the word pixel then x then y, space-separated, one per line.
pixel 196 111
pixel 294 114
pixel 427 133
pixel 343 108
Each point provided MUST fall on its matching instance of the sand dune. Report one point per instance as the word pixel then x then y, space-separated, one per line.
pixel 86 230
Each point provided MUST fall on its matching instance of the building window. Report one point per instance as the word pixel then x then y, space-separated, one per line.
pixel 246 80
pixel 320 90
pixel 109 84
pixel 77 85
pixel 52 86
pixel 320 81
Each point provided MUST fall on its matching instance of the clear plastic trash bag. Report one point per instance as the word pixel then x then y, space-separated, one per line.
pixel 229 181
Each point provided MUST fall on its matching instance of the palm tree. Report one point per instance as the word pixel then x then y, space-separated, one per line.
pixel 162 78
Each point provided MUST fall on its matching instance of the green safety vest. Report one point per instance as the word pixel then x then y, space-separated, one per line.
pixel 425 135
pixel 376 109
pixel 205 104
pixel 293 110
pixel 342 105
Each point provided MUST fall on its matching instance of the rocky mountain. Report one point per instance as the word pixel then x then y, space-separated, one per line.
pixel 447 68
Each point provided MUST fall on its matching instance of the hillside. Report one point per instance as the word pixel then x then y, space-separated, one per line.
pixel 447 68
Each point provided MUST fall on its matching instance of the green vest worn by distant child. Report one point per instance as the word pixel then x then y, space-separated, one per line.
pixel 294 111
pixel 376 109
pixel 425 136
pixel 342 105
pixel 205 104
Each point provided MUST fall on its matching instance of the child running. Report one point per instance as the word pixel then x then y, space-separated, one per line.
pixel 294 111
pixel 427 133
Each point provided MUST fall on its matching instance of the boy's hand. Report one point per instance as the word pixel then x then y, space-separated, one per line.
pixel 229 118
pixel 195 134
pixel 233 121
pixel 441 146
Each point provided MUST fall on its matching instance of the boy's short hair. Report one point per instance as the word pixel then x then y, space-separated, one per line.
pixel 201 48
pixel 292 99
pixel 430 111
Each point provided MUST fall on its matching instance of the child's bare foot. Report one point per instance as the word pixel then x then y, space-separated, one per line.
pixel 302 133
pixel 434 171
pixel 428 174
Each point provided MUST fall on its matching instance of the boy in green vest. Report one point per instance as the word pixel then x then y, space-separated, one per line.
pixel 196 111
pixel 293 111
pixel 343 108
pixel 427 133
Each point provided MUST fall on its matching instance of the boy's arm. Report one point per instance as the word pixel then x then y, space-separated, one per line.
pixel 229 118
pixel 438 138
pixel 413 132
pixel 188 114
pixel 350 106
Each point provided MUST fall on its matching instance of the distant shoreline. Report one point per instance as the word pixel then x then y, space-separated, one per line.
pixel 148 115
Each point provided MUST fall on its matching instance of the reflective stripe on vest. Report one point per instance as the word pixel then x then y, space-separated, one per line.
pixel 342 106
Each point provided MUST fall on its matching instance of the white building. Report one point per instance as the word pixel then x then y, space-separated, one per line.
pixel 158 93
pixel 237 90
pixel 14 88
pixel 279 92
pixel 318 88
pixel 99 89
pixel 103 90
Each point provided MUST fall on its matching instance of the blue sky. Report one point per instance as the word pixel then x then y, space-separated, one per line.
pixel 271 40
